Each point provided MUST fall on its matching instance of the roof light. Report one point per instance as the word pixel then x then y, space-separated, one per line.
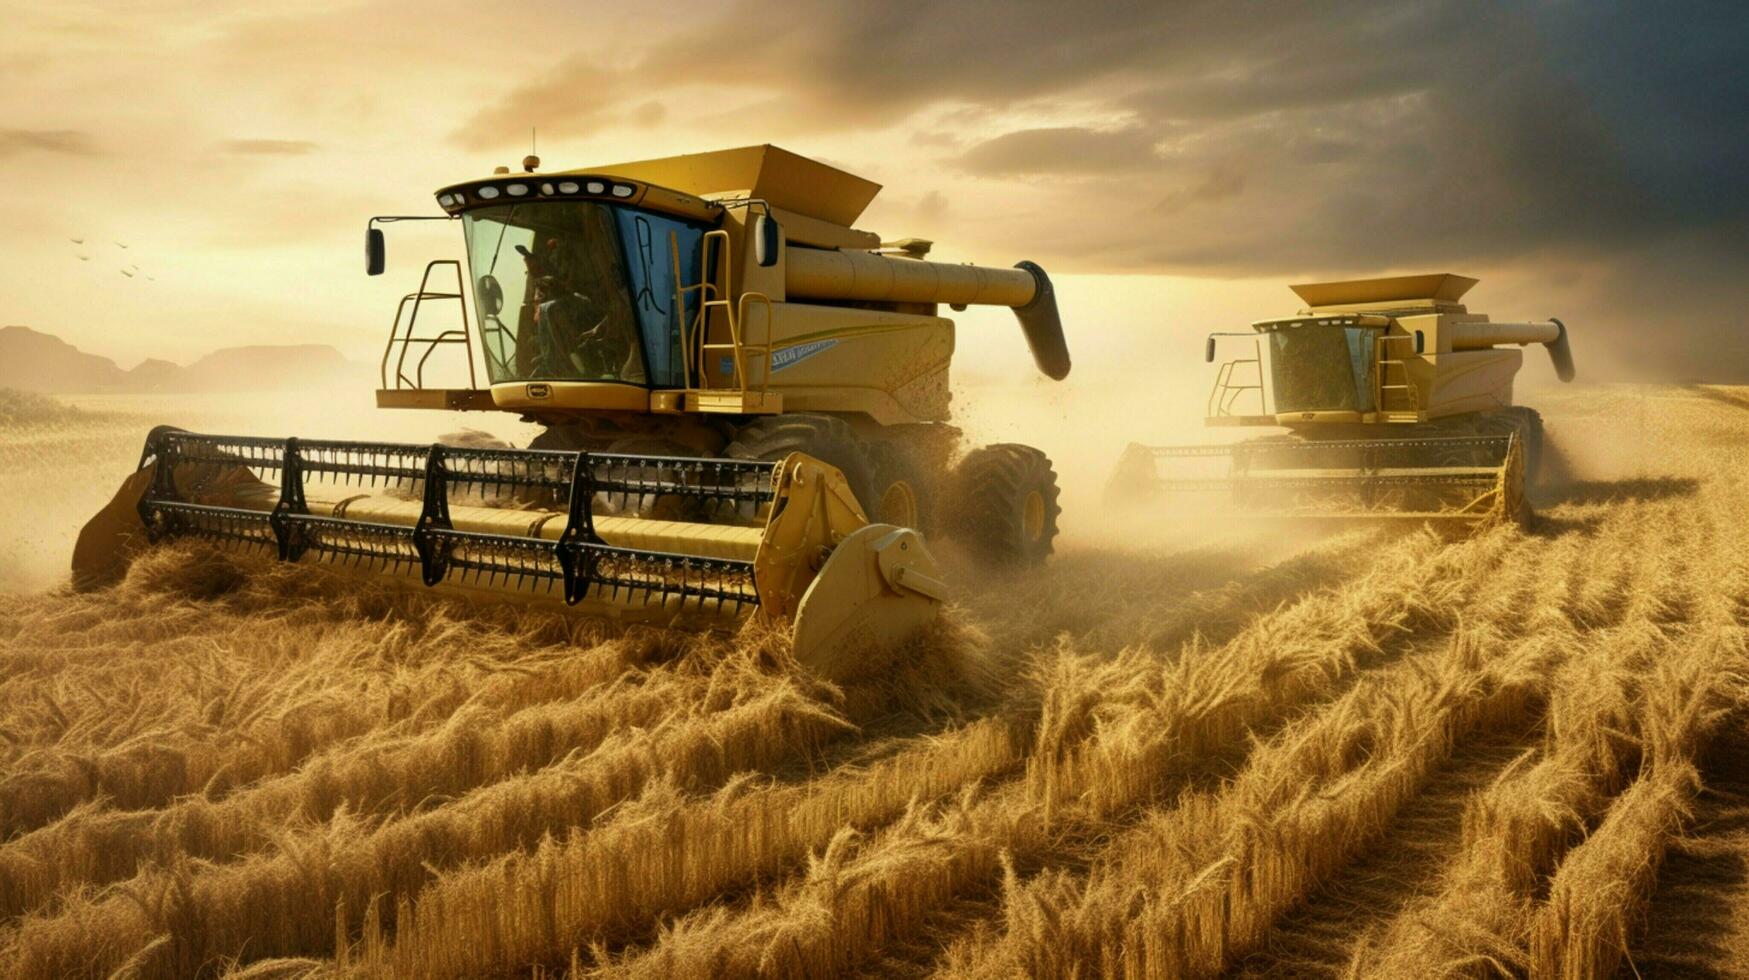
pixel 517 190
pixel 446 200
pixel 595 187
pixel 488 192
pixel 624 190
pixel 546 189
pixel 569 187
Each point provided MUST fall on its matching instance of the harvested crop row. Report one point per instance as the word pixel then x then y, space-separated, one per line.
pixel 378 775
pixel 1168 871
pixel 282 902
pixel 1601 890
pixel 884 890
pixel 1517 831
pixel 414 958
pixel 232 719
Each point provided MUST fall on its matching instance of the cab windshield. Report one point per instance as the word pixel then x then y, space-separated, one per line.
pixel 578 291
pixel 1322 367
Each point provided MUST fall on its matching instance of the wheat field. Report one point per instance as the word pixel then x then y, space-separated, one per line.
pixel 1343 752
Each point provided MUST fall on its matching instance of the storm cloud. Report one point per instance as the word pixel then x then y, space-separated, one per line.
pixel 1255 137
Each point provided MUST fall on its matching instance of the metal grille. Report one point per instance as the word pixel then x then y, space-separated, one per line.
pixel 578 565
pixel 1424 477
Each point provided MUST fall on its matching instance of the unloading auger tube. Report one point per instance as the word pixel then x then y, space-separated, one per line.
pixel 1474 480
pixel 781 541
pixel 815 273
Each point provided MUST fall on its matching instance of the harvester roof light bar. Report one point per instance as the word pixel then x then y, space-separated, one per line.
pixel 453 198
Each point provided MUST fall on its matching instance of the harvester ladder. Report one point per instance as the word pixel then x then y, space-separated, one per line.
pixel 404 337
pixel 747 394
pixel 1395 397
pixel 1227 391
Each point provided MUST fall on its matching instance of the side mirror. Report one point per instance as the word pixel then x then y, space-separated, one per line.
pixel 373 251
pixel 1208 351
pixel 767 240
pixel 490 294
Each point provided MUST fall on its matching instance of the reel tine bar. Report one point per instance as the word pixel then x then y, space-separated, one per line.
pixel 578 563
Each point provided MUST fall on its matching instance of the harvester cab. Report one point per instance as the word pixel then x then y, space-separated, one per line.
pixel 723 304
pixel 1396 399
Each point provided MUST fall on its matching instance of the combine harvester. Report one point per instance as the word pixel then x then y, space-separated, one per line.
pixel 1397 401
pixel 731 381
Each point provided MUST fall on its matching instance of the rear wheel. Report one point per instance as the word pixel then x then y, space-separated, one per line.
pixel 1003 504
pixel 827 439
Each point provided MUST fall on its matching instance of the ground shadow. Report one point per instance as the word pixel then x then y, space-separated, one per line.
pixel 1641 488
pixel 1722 397
pixel 1541 525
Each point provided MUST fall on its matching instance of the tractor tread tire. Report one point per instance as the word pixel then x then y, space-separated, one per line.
pixel 987 509
pixel 826 438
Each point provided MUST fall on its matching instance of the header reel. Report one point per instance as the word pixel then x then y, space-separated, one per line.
pixel 784 542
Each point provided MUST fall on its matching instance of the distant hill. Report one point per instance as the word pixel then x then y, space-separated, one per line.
pixel 34 361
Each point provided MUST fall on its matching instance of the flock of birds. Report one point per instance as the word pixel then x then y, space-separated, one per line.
pixel 131 270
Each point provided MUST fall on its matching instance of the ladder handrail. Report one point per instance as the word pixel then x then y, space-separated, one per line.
pixel 406 338
pixel 1225 393
pixel 1383 363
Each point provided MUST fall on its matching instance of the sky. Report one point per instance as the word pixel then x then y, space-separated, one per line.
pixel 1173 164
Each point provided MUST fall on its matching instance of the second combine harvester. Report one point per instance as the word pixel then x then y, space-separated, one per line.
pixel 722 304
pixel 1397 401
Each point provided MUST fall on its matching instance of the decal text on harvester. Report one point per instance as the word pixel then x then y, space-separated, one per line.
pixel 787 356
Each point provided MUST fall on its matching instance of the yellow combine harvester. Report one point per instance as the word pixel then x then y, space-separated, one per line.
pixel 1396 398
pixel 731 380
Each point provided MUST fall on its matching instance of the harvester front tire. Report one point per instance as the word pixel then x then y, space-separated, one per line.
pixel 827 439
pixel 1003 504
pixel 903 492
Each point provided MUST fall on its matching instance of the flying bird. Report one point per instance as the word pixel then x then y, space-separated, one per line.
pixel 127 273
pixel 120 245
pixel 77 241
pixel 84 258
